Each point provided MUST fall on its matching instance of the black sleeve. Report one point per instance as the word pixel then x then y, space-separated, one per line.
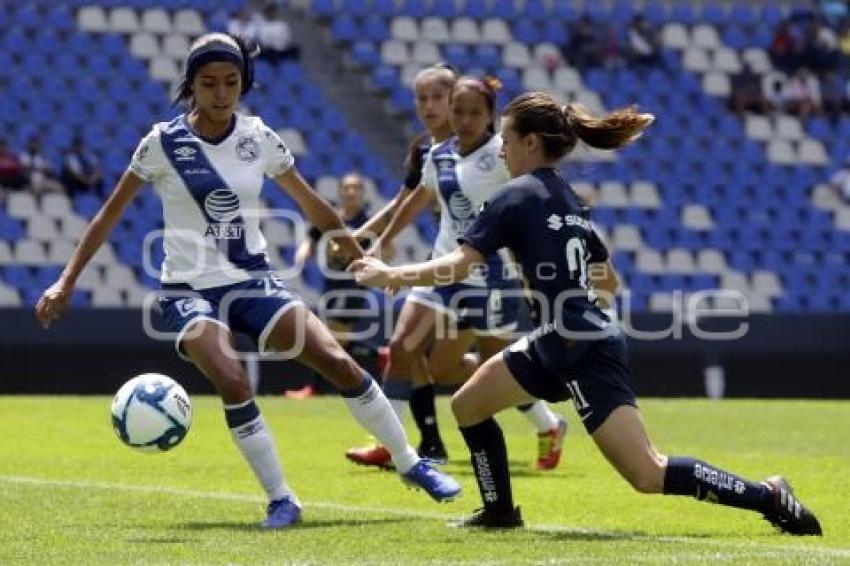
pixel 492 228
pixel 414 161
pixel 598 251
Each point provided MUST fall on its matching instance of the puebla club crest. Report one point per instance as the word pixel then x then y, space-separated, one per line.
pixel 247 149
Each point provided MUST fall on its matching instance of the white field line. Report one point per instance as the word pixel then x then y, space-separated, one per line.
pixel 751 548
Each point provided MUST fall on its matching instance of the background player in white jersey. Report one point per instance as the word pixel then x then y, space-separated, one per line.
pixel 461 173
pixel 207 166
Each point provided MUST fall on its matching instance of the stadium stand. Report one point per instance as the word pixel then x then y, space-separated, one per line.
pixel 709 199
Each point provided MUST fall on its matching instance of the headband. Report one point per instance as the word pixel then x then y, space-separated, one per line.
pixel 220 51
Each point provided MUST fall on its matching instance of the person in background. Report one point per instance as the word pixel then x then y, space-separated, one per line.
pixel 81 170
pixel 643 44
pixel 11 169
pixel 39 170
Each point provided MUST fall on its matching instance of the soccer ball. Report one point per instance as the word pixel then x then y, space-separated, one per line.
pixel 151 413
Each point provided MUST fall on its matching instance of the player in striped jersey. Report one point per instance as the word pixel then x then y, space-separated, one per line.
pixel 207 165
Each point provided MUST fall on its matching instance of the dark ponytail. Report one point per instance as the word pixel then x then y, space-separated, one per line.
pixel 560 127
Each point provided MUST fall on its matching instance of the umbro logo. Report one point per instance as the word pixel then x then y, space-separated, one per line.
pixel 185 153
pixel 554 222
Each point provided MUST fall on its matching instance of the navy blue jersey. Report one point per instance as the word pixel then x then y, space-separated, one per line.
pixel 542 221
pixel 418 151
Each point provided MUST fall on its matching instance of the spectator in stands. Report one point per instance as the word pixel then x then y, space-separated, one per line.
pixel 833 93
pixel 611 49
pixel 840 181
pixel 642 42
pixel 81 170
pixel 782 48
pixel 583 47
pixel 820 49
pixel 11 169
pixel 246 25
pixel 748 93
pixel 39 171
pixel 276 37
pixel 802 94
pixel 774 89
pixel 844 45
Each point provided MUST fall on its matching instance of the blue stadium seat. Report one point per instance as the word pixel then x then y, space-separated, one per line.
pixel 445 8
pixel 344 29
pixel 457 54
pixel 414 8
pixel 384 8
pixel 355 8
pixel 364 53
pixel 527 31
pixel 505 9
pixel 476 9
pixel 536 10
pixel 375 28
pixel 385 77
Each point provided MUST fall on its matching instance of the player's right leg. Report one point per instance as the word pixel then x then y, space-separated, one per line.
pixel 410 340
pixel 299 331
pixel 209 345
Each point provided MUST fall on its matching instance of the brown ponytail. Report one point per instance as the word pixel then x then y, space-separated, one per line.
pixel 560 127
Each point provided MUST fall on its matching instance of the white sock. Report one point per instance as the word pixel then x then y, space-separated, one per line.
pixel 255 441
pixel 541 416
pixel 399 408
pixel 375 413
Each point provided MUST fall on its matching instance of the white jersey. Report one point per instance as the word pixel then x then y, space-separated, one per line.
pixel 210 197
pixel 463 184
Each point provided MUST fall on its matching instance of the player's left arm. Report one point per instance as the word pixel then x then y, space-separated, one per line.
pixel 317 210
pixel 603 276
pixel 449 268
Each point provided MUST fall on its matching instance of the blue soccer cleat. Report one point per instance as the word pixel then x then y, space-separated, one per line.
pixel 439 485
pixel 282 513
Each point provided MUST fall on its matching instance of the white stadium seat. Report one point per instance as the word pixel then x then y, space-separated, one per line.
pixel 21 205
pixel 711 260
pixel 156 20
pixel 404 28
pixel 328 187
pixel 537 78
pixel 395 52
pixel 696 59
pixel 648 260
pixel 105 255
pixel 661 302
pixel 566 79
pixel 409 72
pixel 516 55
pixel 107 297
pixel 626 237
pixel 717 84
pixel 548 55
pixel 144 45
pixel 496 32
pixel 92 19
pixel 735 281
pixel 812 152
pixel 425 52
pixel 30 252
pixel 675 36
pixel 55 205
pixel 789 128
pixel 766 283
pixel 825 197
pixel 434 29
pixel 123 20
pixel 293 139
pixel 645 195
pixel 175 45
pixel 5 253
pixel 680 260
pixel 613 194
pixel 164 69
pixel 119 276
pixel 277 233
pixel 593 102
pixel 189 22
pixel 9 297
pixel 759 127
pixel 696 217
pixel 726 60
pixel 72 226
pixel 465 30
pixel 705 36
pixel 842 219
pixel 42 228
pixel 757 59
pixel 781 152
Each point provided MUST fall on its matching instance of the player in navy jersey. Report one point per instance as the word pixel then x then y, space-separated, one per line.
pixel 576 352
pixel 342 296
pixel 460 173
pixel 207 165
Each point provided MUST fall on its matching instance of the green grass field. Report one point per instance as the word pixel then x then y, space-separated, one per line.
pixel 71 493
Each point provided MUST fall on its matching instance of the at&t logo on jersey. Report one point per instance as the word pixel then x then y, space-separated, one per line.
pixel 222 205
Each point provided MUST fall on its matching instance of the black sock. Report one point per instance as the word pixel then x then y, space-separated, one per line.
pixel 687 476
pixel 490 462
pixel 425 415
pixel 524 408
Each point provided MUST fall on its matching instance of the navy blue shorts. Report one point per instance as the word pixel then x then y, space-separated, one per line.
pixel 593 373
pixel 251 307
pixel 498 309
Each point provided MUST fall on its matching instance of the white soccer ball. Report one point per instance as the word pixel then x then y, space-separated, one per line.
pixel 151 413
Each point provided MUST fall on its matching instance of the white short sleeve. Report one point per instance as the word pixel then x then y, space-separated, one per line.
pixel 278 158
pixel 149 161
pixel 429 174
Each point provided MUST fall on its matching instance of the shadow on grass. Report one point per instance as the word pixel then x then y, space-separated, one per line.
pixel 307 523
pixel 160 540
